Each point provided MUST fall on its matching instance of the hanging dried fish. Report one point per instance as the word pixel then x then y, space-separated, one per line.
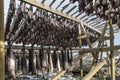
pixel 58 62
pixel 11 12
pixel 38 67
pixel 24 61
pixel 64 60
pixel 42 59
pixel 10 63
pixel 50 62
pixel 32 61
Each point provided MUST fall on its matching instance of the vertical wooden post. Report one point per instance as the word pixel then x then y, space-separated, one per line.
pixel 95 55
pixel 112 51
pixel 108 68
pixel 88 41
pixel 2 77
pixel 109 74
pixel 81 68
pixel 101 51
pixel 101 42
pixel 80 45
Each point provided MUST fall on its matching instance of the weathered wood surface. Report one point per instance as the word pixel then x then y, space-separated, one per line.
pixel 83 50
pixel 10 63
pixel 58 75
pixel 112 57
pixel 94 70
pixel 2 67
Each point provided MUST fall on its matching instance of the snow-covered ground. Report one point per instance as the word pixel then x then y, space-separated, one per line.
pixel 47 76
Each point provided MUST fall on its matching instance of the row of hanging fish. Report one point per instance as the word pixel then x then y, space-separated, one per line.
pixel 32 61
pixel 41 27
pixel 106 9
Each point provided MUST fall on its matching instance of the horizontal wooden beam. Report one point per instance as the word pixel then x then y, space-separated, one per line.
pixel 45 7
pixel 81 50
pixel 104 38
pixel 90 50
pixel 83 37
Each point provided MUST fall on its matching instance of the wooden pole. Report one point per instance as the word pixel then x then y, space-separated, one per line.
pixel 100 42
pixel 58 75
pixel 95 55
pixel 88 41
pixel 2 76
pixel 80 45
pixel 82 51
pixel 112 51
pixel 81 67
pixel 95 69
pixel 108 68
